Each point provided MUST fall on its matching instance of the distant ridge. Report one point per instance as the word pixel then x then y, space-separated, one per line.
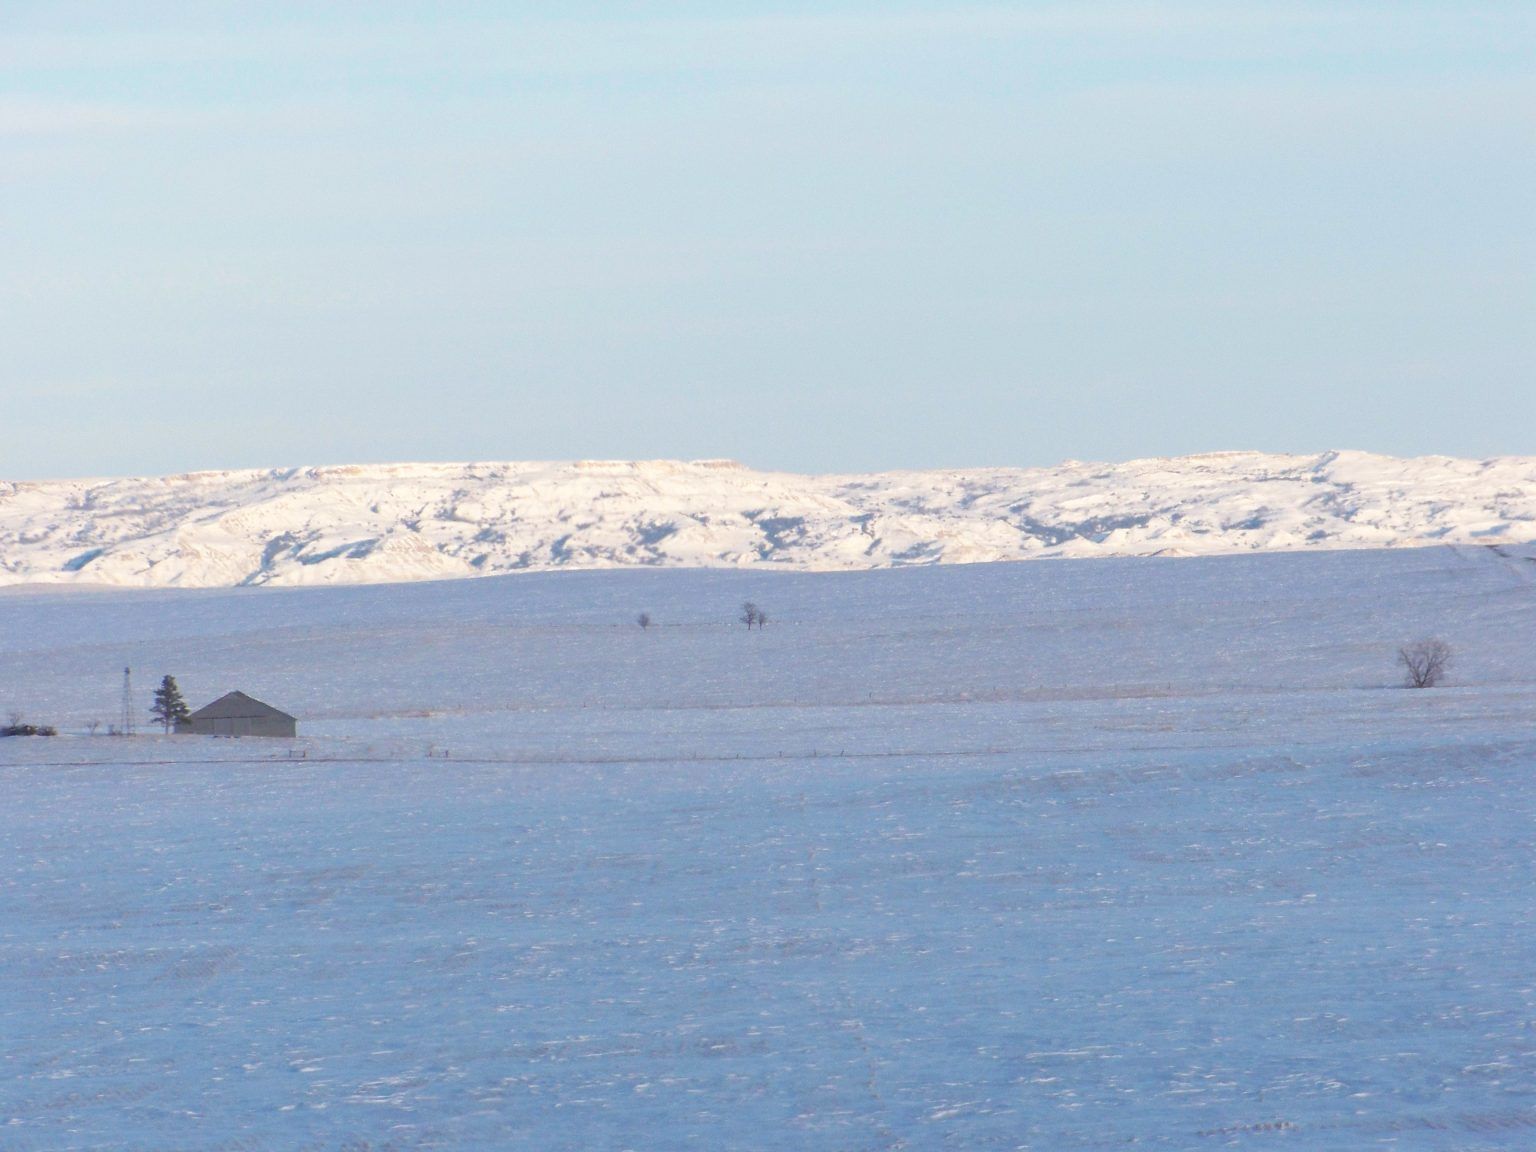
pixel 400 522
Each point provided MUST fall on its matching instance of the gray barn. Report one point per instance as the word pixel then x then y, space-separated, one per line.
pixel 239 715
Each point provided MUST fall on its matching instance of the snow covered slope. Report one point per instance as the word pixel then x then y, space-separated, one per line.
pixel 394 523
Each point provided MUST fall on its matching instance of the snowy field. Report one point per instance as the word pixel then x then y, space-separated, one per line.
pixel 1122 853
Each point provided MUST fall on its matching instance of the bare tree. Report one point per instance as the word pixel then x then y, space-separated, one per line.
pixel 751 614
pixel 1425 662
pixel 644 619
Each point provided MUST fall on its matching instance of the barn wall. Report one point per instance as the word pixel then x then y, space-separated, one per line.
pixel 243 726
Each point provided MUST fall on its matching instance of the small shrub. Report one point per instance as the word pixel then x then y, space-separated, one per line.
pixel 1424 662
pixel 29 730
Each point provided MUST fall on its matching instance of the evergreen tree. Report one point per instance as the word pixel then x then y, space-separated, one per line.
pixel 169 708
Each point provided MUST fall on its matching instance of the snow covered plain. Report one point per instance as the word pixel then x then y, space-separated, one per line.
pixel 1134 853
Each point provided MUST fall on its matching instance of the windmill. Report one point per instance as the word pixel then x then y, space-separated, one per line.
pixel 127 722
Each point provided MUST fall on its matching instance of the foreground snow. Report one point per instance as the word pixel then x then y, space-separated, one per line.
pixel 391 523
pixel 1147 853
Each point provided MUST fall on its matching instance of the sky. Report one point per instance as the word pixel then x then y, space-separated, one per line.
pixel 818 237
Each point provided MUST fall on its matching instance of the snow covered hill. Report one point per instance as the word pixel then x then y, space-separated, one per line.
pixel 393 523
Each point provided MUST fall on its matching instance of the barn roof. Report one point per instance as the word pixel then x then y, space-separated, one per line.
pixel 237 705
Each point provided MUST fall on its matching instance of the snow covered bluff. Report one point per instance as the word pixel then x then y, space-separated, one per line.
pixel 384 523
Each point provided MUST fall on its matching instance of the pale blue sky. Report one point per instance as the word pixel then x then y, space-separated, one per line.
pixel 819 237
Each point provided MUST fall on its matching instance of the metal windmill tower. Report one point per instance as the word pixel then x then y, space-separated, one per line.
pixel 127 723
